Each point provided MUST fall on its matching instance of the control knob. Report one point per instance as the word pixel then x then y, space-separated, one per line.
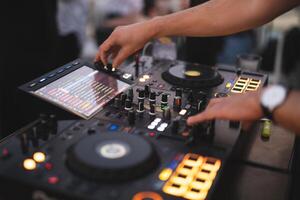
pixel 131 117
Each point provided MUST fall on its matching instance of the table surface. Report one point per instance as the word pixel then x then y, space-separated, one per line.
pixel 261 169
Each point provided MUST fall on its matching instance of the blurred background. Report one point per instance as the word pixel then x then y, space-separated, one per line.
pixel 41 35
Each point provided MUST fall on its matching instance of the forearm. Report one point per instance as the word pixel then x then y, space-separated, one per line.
pixel 288 114
pixel 220 17
pixel 125 20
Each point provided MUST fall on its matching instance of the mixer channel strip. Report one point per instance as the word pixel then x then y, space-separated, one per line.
pixel 244 84
pixel 193 177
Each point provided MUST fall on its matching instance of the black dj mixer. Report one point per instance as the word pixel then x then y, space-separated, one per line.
pixel 133 141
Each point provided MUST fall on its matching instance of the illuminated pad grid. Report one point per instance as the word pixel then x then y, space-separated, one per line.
pixel 244 84
pixel 193 177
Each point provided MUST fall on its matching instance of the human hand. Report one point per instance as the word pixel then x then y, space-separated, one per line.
pixel 239 107
pixel 124 41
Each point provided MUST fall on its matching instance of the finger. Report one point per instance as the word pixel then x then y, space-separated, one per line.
pixel 120 57
pixel 214 101
pixel 104 50
pixel 208 114
pixel 98 57
pixel 246 125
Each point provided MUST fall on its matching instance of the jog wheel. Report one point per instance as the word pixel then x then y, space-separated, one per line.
pixel 112 157
pixel 192 76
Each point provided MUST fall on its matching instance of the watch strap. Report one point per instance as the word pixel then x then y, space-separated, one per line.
pixel 266 112
pixel 269 114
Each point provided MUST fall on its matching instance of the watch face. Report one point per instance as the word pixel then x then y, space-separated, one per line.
pixel 273 96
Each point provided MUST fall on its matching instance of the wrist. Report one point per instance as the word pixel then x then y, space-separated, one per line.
pixel 156 25
pixel 257 104
pixel 272 98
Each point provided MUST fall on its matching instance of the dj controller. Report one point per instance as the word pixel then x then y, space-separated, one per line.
pixel 132 141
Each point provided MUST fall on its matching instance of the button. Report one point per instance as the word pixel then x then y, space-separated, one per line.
pixel 51 75
pixel 75 63
pixel 69 66
pixel 127 76
pixel 113 127
pixel 53 180
pixel 60 71
pixel 151 127
pixel 48 166
pixel 5 153
pixel 42 80
pixel 29 164
pixel 142 80
pixel 146 76
pixel 154 123
pixel 32 85
pixel 151 134
pixel 147 196
pixel 157 120
pixel 165 125
pixel 228 85
pixel 183 112
pixel 165 174
pixel 39 157
pixel 160 129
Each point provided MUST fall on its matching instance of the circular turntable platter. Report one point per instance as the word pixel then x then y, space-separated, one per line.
pixel 192 76
pixel 112 157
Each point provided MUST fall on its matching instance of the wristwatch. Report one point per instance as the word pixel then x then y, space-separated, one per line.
pixel 271 98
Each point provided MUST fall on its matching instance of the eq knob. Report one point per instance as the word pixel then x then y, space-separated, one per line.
pixel 177 100
pixel 117 102
pixel 164 101
pixel 147 90
pixel 175 126
pixel 196 131
pixel 200 106
pixel 141 96
pixel 141 109
pixel 130 94
pixel 128 104
pixel 24 143
pixel 123 99
pixel 167 114
pixel 191 97
pixel 33 137
pixel 44 130
pixel 131 117
pixel 52 123
pixel 109 68
pixel 152 111
pixel 178 92
pixel 152 98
